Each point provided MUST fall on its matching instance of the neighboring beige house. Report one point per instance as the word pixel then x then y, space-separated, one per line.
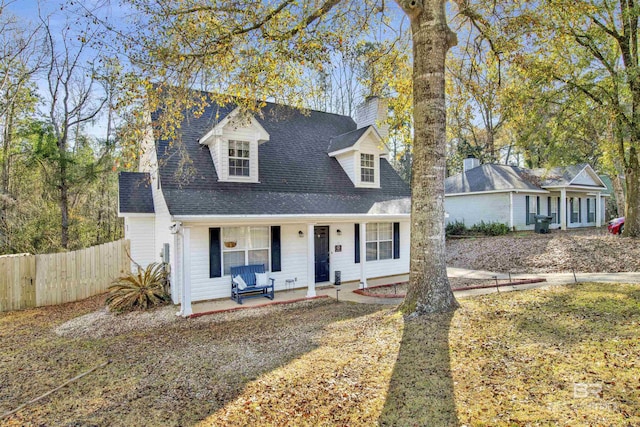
pixel 573 196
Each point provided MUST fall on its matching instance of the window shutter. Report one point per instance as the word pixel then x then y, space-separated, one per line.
pixel 537 205
pixel 548 206
pixel 526 202
pixel 558 212
pixel 215 260
pixel 588 209
pixel 396 240
pixel 276 258
pixel 357 243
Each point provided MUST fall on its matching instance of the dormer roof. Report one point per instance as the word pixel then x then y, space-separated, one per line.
pixel 239 117
pixel 351 141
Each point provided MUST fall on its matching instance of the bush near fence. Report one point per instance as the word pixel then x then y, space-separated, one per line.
pixel 36 280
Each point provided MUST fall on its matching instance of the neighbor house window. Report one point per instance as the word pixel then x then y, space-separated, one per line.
pixel 552 209
pixel 532 205
pixel 575 209
pixel 238 158
pixel 379 241
pixel 367 168
pixel 245 246
pixel 591 210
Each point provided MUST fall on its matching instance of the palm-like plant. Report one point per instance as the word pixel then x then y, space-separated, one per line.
pixel 141 291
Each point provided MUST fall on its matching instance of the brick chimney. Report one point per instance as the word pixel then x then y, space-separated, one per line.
pixel 373 111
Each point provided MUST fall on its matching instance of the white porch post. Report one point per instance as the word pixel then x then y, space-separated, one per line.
pixel 363 254
pixel 176 268
pixel 186 271
pixel 311 262
pixel 562 209
pixel 598 210
pixel 511 210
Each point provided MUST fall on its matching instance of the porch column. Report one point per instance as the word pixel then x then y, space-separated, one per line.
pixel 562 209
pixel 598 210
pixel 511 211
pixel 186 271
pixel 363 254
pixel 176 268
pixel 311 261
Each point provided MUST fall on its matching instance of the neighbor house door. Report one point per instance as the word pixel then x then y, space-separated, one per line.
pixel 322 253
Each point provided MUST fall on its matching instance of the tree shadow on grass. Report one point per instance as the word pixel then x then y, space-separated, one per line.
pixel 174 374
pixel 421 388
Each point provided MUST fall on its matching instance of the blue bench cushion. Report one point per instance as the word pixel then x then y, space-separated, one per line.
pixel 247 273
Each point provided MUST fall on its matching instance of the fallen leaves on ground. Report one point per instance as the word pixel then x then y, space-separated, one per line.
pixel 509 359
pixel 583 250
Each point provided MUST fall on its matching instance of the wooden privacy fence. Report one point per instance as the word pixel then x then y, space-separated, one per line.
pixel 36 280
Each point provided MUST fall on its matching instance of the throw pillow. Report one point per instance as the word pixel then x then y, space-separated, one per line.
pixel 261 279
pixel 238 280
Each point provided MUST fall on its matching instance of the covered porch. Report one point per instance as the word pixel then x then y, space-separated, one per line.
pixel 304 258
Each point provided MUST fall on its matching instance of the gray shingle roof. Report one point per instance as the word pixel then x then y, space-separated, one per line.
pixel 490 177
pixel 296 175
pixel 135 194
pixel 346 140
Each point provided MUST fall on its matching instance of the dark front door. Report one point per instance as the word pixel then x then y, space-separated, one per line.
pixel 322 253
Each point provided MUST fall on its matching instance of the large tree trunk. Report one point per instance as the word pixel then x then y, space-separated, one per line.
pixel 64 208
pixel 632 204
pixel 429 289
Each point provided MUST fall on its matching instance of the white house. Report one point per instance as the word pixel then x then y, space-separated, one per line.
pixel 572 196
pixel 306 193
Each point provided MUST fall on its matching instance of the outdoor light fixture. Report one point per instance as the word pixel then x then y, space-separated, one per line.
pixel 339 232
pixel 300 234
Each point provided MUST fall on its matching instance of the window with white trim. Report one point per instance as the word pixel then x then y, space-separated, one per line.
pixel 591 210
pixel 575 210
pixel 245 246
pixel 379 241
pixel 532 206
pixel 552 209
pixel 367 168
pixel 239 158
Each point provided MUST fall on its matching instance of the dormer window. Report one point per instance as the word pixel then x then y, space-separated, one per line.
pixel 239 158
pixel 359 152
pixel 367 168
pixel 233 143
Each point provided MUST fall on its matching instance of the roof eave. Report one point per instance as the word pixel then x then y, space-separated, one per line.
pixel 288 218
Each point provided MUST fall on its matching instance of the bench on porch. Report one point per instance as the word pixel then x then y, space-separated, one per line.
pixel 248 274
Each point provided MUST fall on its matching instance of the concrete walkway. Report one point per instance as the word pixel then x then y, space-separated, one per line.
pixel 346 293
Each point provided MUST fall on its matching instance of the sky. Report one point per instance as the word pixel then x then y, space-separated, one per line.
pixel 29 12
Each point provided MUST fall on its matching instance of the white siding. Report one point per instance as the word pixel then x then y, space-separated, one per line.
pixel 474 208
pixel 294 259
pixel 345 261
pixel 215 149
pixel 584 178
pixel 347 161
pixel 140 231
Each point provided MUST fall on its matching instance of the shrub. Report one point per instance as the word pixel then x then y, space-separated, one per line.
pixel 490 228
pixel 456 228
pixel 140 291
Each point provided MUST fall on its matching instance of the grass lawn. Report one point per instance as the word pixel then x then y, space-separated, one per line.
pixel 564 356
